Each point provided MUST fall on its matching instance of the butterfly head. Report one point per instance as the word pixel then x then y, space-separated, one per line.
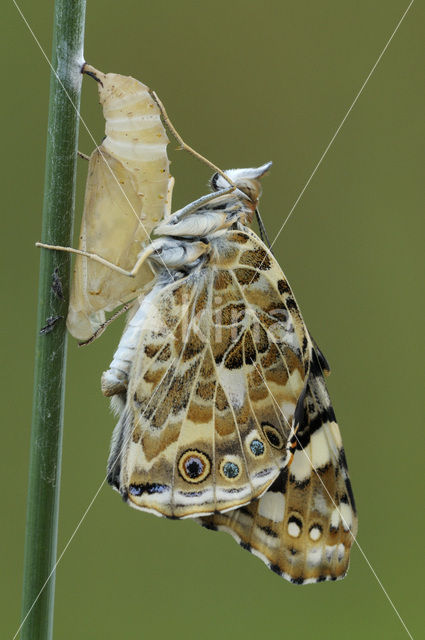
pixel 246 180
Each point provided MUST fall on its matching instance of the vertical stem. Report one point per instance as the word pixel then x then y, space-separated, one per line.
pixel 50 352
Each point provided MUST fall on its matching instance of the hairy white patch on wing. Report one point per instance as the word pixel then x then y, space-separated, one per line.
pixel 272 506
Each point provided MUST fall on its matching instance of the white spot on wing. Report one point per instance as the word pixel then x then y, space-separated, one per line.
pixel 315 533
pixel 335 518
pixel 314 556
pixel 301 467
pixel 320 449
pixel 272 506
pixel 294 530
pixel 329 551
pixel 320 504
pixel 287 409
pixel 233 383
pixel 336 434
pixel 346 516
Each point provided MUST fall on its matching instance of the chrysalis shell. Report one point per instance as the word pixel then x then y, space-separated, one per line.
pixel 128 191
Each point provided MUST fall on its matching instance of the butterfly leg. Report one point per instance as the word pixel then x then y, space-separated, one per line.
pixel 87 254
pixel 93 256
pixel 169 224
pixel 106 324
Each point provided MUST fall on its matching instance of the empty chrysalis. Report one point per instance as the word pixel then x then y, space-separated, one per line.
pixel 128 191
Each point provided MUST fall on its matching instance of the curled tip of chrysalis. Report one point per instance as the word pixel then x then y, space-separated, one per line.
pixel 88 70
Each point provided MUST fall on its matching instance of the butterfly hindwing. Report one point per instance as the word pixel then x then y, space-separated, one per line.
pixel 303 527
pixel 222 357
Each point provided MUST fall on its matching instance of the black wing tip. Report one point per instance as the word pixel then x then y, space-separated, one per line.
pixel 209 525
pixel 276 569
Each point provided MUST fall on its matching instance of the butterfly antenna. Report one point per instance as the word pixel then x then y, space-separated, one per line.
pixel 263 233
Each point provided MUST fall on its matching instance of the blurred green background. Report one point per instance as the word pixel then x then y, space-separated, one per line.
pixel 244 82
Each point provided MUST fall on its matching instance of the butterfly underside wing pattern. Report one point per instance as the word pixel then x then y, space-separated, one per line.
pixel 223 411
pixel 209 370
pixel 128 192
pixel 303 527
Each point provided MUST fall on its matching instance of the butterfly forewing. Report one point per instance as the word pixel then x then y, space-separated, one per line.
pixel 210 404
pixel 303 527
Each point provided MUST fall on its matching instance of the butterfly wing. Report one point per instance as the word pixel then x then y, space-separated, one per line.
pixel 220 362
pixel 303 527
pixel 128 191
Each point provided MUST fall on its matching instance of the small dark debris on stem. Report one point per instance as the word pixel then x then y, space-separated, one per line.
pixel 57 284
pixel 50 324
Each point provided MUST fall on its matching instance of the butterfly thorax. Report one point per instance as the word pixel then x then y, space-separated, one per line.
pixel 192 234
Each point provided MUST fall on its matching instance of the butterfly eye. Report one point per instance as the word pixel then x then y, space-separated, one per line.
pixel 273 435
pixel 229 469
pixel 194 466
pixel 214 182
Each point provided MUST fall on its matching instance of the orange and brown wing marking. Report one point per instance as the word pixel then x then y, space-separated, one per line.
pixel 158 396
pixel 214 438
pixel 303 527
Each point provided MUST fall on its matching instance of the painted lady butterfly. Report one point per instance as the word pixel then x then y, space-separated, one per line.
pixel 223 410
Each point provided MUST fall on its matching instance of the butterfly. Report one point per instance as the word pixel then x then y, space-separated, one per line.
pixel 224 413
pixel 213 346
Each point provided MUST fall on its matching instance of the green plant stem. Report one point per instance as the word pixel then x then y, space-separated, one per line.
pixel 50 352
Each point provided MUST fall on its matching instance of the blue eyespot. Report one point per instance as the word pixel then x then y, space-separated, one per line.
pixel 257 447
pixel 194 465
pixel 230 470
